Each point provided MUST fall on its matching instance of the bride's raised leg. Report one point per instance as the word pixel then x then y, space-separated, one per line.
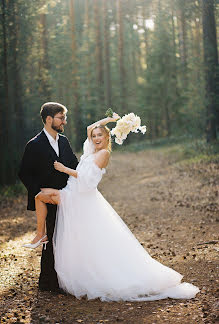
pixel 41 212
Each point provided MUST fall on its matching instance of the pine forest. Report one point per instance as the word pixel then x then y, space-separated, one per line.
pixel 158 59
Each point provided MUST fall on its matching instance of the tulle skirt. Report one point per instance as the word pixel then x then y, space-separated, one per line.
pixel 98 256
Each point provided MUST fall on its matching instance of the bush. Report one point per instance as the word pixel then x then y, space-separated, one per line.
pixel 12 190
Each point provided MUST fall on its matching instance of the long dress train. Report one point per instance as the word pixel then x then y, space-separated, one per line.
pixel 95 252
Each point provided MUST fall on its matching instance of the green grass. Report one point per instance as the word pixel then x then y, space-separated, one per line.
pixel 150 144
pixel 195 151
pixel 181 148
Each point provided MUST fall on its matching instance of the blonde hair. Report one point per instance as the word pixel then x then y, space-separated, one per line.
pixel 107 132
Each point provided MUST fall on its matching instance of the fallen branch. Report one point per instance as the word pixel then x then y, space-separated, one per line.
pixel 209 242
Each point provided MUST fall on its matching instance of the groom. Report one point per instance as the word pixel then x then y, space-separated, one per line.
pixel 37 171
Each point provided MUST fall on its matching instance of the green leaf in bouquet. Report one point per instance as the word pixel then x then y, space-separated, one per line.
pixel 109 112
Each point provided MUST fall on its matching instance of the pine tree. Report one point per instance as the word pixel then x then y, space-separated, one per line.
pixel 211 68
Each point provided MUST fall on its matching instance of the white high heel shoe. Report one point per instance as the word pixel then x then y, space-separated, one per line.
pixel 35 245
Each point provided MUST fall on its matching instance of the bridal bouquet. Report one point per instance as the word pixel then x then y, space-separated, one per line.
pixel 128 123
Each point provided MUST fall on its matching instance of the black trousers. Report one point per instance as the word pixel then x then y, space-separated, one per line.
pixel 48 277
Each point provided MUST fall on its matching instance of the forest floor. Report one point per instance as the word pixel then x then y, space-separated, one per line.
pixel 170 206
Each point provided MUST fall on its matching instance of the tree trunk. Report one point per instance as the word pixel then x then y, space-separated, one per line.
pixel 198 51
pixel 182 39
pixel 108 85
pixel 167 117
pixel 99 56
pixel 197 44
pixel 44 60
pixel 134 49
pixel 174 73
pixel 174 49
pixel 88 64
pixel 76 112
pixel 211 68
pixel 5 125
pixel 147 49
pixel 122 75
pixel 5 174
pixel 18 87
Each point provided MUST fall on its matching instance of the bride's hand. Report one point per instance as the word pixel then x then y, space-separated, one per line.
pixel 115 117
pixel 59 166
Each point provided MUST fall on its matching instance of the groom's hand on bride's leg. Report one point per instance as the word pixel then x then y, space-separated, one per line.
pixel 47 199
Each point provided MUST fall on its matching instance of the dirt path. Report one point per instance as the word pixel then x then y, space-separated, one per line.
pixel 170 207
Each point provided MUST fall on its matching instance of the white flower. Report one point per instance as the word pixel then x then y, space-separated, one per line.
pixel 118 141
pixel 137 122
pixel 128 123
pixel 143 129
pixel 115 131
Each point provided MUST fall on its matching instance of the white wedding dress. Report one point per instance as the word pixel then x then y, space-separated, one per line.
pixel 95 252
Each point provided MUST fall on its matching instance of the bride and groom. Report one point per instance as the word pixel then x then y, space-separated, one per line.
pixel 89 250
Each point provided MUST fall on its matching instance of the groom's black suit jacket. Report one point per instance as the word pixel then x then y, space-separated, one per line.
pixel 37 171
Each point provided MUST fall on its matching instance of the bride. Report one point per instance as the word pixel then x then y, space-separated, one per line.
pixel 95 252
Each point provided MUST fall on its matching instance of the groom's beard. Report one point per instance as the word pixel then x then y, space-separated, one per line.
pixel 58 129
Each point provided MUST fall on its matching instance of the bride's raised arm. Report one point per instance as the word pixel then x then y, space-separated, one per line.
pixel 102 122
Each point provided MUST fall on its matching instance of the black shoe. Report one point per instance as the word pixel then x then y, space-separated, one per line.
pixel 55 291
pixel 61 292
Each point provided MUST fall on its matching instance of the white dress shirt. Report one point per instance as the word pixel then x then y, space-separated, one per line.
pixel 53 142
